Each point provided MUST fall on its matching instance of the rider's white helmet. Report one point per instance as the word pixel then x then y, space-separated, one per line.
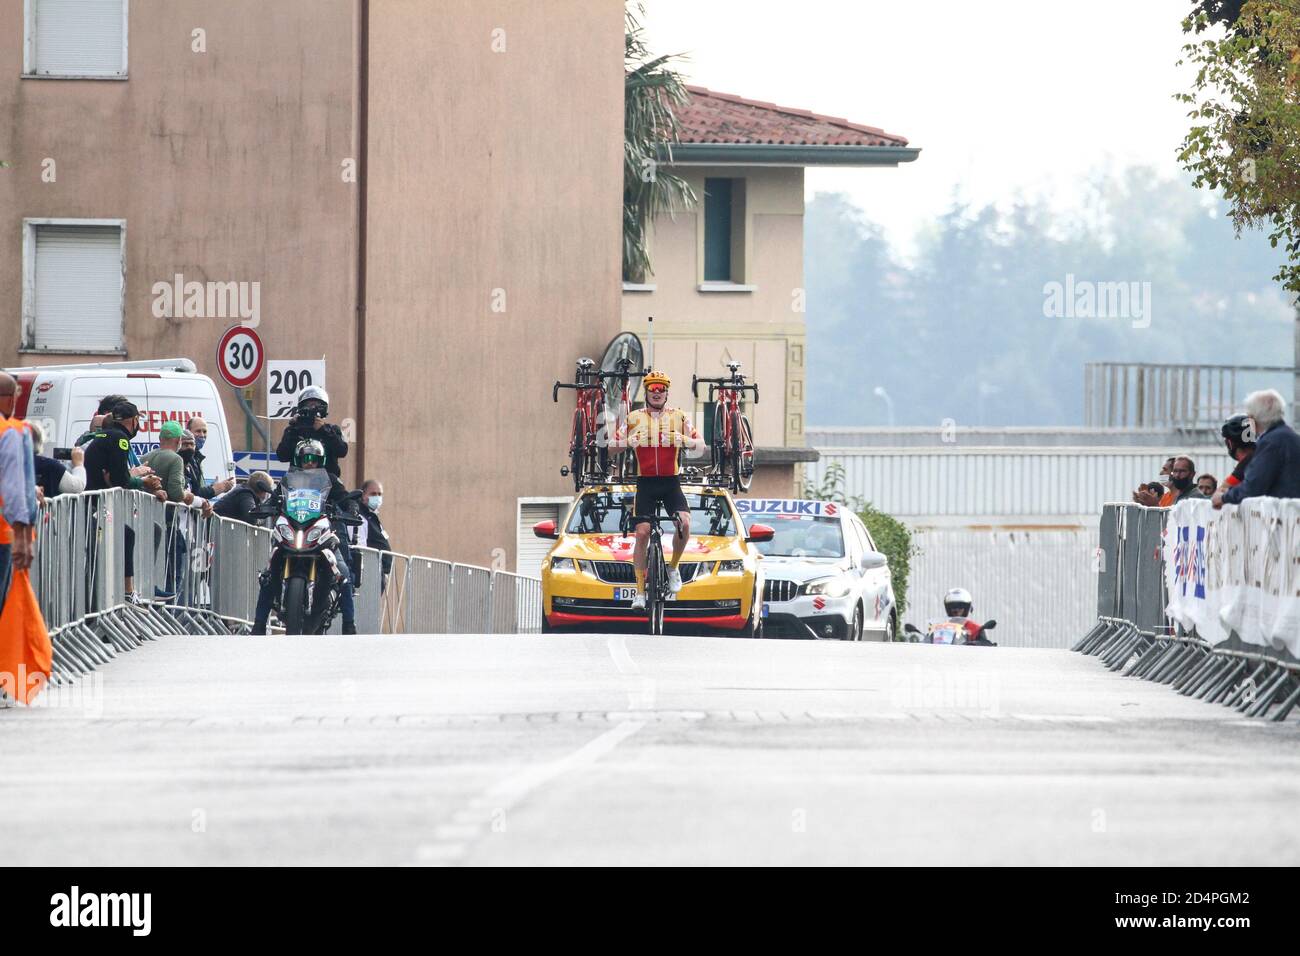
pixel 314 393
pixel 958 603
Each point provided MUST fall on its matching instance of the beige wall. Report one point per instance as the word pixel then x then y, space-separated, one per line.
pixel 488 171
pixel 491 174
pixel 225 166
pixel 696 332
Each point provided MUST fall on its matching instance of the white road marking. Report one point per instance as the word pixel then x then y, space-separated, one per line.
pixel 642 697
pixel 1065 718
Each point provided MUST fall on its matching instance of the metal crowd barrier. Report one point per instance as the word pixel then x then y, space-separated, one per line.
pixel 199 575
pixel 1133 634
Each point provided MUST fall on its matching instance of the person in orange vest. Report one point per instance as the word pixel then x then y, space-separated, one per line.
pixel 17 489
pixel 26 657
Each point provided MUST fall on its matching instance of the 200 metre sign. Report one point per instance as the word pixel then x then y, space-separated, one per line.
pixel 285 381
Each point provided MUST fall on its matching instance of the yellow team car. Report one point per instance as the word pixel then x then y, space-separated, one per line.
pixel 588 579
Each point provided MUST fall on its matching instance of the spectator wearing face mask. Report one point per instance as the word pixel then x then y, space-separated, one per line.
pixel 198 430
pixel 372 534
pixel 1207 485
pixel 52 476
pixel 1149 493
pixel 1182 482
pixel 1274 468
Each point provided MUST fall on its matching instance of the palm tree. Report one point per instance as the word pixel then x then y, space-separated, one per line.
pixel 651 90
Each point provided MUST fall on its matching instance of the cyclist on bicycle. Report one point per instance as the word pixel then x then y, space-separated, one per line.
pixel 656 433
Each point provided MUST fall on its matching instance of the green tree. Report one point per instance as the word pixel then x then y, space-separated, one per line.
pixel 651 92
pixel 1245 112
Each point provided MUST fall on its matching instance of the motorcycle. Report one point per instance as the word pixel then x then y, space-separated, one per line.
pixel 952 630
pixel 303 540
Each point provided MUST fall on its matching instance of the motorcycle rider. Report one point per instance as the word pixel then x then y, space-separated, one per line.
pixel 1235 431
pixel 958 605
pixel 308 455
pixel 308 423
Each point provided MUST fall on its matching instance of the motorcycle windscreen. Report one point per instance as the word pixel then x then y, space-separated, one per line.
pixel 945 632
pixel 305 492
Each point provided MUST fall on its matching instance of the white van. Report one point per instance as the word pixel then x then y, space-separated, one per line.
pixel 63 398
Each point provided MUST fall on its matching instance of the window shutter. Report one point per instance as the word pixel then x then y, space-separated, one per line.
pixel 80 37
pixel 78 288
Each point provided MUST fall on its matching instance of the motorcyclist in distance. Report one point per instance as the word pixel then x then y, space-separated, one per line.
pixel 309 455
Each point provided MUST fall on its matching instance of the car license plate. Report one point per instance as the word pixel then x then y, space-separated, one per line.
pixel 624 594
pixel 767 609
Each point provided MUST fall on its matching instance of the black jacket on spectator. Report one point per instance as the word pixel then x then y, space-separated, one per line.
pixel 328 435
pixel 375 538
pixel 49 473
pixel 109 454
pixel 237 504
pixel 1274 470
pixel 194 479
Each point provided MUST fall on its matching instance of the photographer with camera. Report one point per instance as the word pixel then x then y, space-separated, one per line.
pixel 308 424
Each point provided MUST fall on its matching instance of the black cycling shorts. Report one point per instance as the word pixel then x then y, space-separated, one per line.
pixel 652 490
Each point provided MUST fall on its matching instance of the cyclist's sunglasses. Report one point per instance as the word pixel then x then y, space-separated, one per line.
pixel 657 389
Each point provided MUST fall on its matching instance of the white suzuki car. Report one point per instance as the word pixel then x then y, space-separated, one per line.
pixel 824 576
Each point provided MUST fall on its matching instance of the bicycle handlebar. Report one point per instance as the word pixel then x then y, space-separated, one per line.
pixel 555 389
pixel 722 383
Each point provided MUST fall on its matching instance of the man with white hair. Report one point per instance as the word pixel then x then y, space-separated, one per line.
pixel 1274 469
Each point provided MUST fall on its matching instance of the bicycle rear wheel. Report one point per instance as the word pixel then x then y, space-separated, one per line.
pixel 742 454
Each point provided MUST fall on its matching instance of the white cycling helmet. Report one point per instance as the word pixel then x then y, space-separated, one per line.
pixel 958 603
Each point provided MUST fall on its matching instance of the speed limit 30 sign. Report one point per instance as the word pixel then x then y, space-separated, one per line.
pixel 240 356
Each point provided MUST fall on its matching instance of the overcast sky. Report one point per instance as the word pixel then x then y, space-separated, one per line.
pixel 1001 96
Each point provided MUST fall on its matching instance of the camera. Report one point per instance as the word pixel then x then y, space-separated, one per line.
pixel 63 454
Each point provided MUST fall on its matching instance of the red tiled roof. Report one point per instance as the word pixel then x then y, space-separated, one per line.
pixel 723 118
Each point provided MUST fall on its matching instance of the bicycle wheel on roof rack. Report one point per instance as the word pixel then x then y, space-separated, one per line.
pixel 577 450
pixel 722 462
pixel 742 454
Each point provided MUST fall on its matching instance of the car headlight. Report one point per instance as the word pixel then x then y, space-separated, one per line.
pixel 831 587
pixel 731 567
pixel 563 564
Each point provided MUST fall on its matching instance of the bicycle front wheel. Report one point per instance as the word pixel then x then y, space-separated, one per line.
pixel 655 586
pixel 722 463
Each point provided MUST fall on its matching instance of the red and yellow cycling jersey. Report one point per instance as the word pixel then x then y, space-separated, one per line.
pixel 657 438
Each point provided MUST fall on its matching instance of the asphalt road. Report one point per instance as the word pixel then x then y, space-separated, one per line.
pixel 636 750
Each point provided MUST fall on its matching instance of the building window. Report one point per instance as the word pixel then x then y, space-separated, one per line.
pixel 75 39
pixel 724 230
pixel 73 282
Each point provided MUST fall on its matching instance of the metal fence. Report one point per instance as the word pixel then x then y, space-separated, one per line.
pixel 192 574
pixel 1036 583
pixel 1132 632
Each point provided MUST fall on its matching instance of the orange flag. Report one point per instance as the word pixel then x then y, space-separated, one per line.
pixel 25 651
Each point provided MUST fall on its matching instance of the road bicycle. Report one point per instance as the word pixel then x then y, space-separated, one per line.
pixel 656 568
pixel 594 422
pixel 733 441
pixel 588 456
pixel 623 462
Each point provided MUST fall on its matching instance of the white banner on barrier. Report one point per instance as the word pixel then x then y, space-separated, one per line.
pixel 1236 571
